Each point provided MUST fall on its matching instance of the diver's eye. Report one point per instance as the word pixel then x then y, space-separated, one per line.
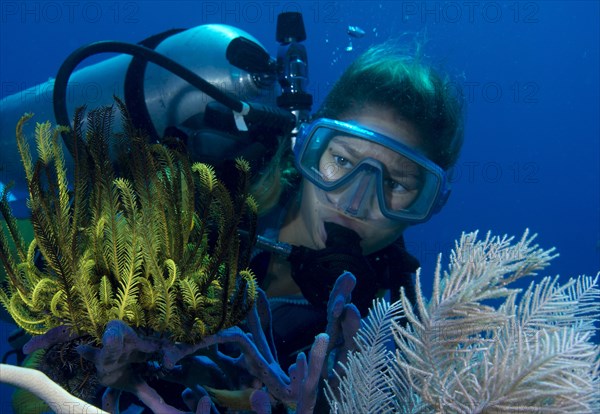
pixel 395 186
pixel 342 162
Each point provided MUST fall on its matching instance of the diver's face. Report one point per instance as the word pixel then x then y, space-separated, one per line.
pixel 319 206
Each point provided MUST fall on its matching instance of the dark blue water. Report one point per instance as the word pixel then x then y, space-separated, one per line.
pixel 530 71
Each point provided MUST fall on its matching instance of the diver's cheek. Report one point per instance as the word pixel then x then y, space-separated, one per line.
pixel 321 234
pixel 315 224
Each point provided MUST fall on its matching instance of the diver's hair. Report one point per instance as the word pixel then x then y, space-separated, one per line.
pixel 389 77
pixel 385 77
pixel 276 178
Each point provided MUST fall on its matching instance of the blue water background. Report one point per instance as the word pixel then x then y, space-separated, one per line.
pixel 530 71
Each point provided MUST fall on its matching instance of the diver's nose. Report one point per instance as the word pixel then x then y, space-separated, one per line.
pixel 357 199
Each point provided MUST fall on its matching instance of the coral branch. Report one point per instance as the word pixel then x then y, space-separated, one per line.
pixel 59 400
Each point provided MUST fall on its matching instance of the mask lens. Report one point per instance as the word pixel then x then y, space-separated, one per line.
pixel 333 155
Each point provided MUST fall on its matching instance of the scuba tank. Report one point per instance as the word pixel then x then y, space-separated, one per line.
pixel 213 85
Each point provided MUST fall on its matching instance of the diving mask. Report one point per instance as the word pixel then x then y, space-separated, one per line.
pixel 357 167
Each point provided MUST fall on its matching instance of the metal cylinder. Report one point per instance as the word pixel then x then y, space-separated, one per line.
pixel 170 100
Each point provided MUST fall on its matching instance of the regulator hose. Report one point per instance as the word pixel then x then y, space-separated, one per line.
pixel 65 71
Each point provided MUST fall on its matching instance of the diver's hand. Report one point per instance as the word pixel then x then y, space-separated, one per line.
pixel 343 318
pixel 315 271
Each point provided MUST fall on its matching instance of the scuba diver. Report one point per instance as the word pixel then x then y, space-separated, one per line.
pixel 370 163
pixel 336 189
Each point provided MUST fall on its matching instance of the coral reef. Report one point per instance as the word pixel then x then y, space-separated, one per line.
pixel 457 353
pixel 136 279
pixel 251 377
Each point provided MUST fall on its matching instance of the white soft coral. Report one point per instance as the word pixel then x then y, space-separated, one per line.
pixel 460 353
